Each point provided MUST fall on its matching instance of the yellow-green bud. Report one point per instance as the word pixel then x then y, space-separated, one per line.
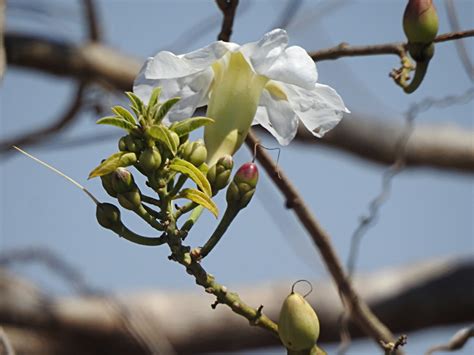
pixel 122 180
pixel 219 174
pixel 122 144
pixel 150 159
pixel 298 326
pixel 194 152
pixel 108 215
pixel 130 200
pixel 133 144
pixel 242 187
pixel 420 21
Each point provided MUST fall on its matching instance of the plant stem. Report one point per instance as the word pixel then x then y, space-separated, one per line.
pixel 226 220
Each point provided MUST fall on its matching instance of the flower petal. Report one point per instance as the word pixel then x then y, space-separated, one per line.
pixel 276 115
pixel 166 65
pixel 263 53
pixel 320 109
pixel 192 89
pixel 293 66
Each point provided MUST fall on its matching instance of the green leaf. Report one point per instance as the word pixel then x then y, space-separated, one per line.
pixel 184 127
pixel 155 94
pixel 117 122
pixel 117 160
pixel 124 113
pixel 188 169
pixel 164 108
pixel 200 198
pixel 136 103
pixel 164 135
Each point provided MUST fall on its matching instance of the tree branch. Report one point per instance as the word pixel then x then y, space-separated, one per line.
pixel 358 309
pixel 39 324
pixel 228 8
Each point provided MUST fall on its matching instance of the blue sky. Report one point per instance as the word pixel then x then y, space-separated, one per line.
pixel 429 213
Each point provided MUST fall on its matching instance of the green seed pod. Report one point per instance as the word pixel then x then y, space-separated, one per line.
pixel 149 160
pixel 298 326
pixel 242 187
pixel 420 21
pixel 108 215
pixel 130 200
pixel 122 180
pixel 122 144
pixel 107 184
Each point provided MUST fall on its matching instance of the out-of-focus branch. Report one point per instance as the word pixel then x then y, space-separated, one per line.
pixel 441 147
pixel 2 47
pixel 357 307
pixel 460 47
pixel 5 346
pixel 228 8
pixel 92 22
pixel 65 119
pixel 456 342
pixel 399 49
pixel 35 322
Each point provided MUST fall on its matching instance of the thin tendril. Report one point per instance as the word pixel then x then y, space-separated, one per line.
pixel 96 201
pixel 277 160
pixel 302 280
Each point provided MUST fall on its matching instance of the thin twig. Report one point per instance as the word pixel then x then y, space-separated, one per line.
pixel 2 49
pixel 456 342
pixel 460 47
pixel 358 308
pixel 399 49
pixel 228 8
pixel 91 19
pixel 62 122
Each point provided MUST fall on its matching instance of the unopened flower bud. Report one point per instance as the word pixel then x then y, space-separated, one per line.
pixel 133 144
pixel 149 160
pixel 130 200
pixel 420 21
pixel 108 215
pixel 242 187
pixel 219 174
pixel 107 184
pixel 122 144
pixel 122 180
pixel 298 326
pixel 194 152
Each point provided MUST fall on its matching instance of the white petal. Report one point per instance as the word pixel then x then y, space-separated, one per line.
pixel 320 109
pixel 277 116
pixel 293 66
pixel 166 65
pixel 192 89
pixel 263 53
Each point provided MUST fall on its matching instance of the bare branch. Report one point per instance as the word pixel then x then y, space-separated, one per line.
pixel 88 325
pixel 358 309
pixel 92 20
pixel 64 120
pixel 2 48
pixel 456 342
pixel 399 49
pixel 228 8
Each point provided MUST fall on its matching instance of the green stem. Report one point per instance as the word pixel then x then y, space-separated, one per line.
pixel 185 209
pixel 179 184
pixel 420 71
pixel 147 217
pixel 126 233
pixel 192 219
pixel 225 222
pixel 154 213
pixel 151 200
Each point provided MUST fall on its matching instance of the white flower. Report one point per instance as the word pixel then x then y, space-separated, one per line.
pixel 262 82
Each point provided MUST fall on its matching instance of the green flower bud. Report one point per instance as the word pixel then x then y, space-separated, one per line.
pixel 242 187
pixel 133 144
pixel 298 326
pixel 130 200
pixel 194 152
pixel 108 215
pixel 122 144
pixel 122 180
pixel 149 160
pixel 175 138
pixel 420 21
pixel 107 184
pixel 421 52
